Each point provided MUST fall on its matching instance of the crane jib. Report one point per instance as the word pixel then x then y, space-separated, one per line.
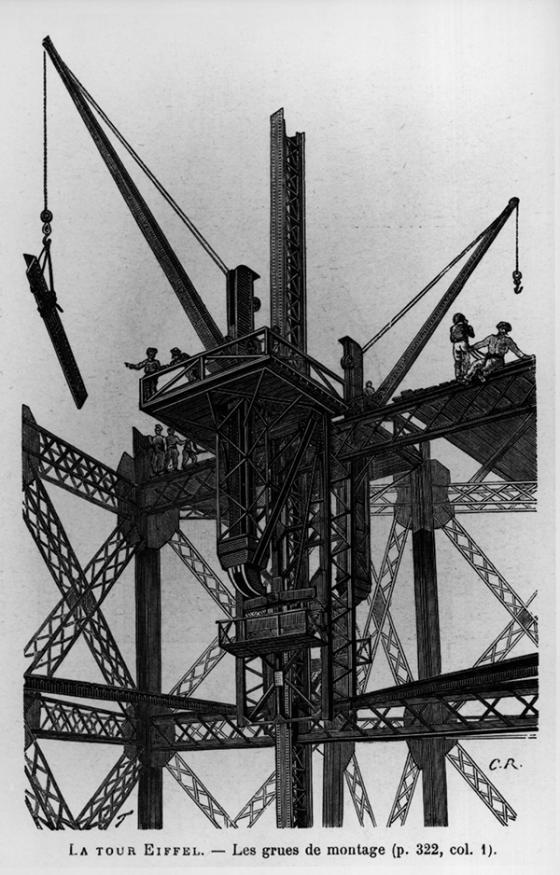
pixel 193 305
pixel 417 344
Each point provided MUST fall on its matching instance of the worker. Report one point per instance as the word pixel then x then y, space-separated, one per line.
pixel 172 455
pixel 369 393
pixel 189 454
pixel 158 446
pixel 151 365
pixel 177 356
pixel 497 345
pixel 459 335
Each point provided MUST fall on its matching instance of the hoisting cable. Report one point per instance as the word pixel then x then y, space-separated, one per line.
pixel 153 179
pixel 392 322
pixel 39 272
pixel 46 216
pixel 517 275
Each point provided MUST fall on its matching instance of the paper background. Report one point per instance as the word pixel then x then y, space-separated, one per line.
pixel 422 119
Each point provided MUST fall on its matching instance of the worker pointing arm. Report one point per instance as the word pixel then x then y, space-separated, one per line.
pixel 151 365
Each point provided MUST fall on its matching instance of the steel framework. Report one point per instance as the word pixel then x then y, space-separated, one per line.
pixel 298 462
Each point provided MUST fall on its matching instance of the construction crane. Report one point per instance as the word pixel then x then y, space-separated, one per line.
pixel 289 486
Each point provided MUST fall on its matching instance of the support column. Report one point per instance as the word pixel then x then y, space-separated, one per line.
pixel 288 297
pixel 148 675
pixel 155 530
pixel 430 753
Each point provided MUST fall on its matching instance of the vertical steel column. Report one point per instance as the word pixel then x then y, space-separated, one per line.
pixel 288 302
pixel 351 553
pixel 148 672
pixel 429 754
pixel 290 565
pixel 156 530
pixel 241 301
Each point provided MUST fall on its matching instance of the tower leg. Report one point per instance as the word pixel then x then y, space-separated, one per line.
pixel 429 753
pixel 293 780
pixel 148 672
pixel 337 757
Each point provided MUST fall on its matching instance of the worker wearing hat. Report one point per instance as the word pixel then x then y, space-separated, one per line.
pixel 459 335
pixel 497 345
pixel 159 451
pixel 151 365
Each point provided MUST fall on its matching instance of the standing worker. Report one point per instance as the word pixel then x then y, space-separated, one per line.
pixel 172 457
pixel 151 365
pixel 189 454
pixel 157 442
pixel 459 335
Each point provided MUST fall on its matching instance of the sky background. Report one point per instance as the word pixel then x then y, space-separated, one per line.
pixel 422 119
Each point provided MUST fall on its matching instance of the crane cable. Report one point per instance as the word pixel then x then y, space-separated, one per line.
pixel 424 291
pixel 46 216
pixel 153 179
pixel 517 275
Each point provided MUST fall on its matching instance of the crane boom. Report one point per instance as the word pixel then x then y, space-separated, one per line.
pixel 193 305
pixel 394 378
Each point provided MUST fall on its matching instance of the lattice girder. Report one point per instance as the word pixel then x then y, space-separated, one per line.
pixel 189 781
pixel 55 460
pixel 492 578
pixel 111 794
pixel 78 610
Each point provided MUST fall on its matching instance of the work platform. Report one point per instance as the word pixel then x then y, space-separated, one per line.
pixel 260 365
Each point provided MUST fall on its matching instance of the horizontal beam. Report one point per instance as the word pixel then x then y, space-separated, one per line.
pixel 451 684
pixel 396 731
pixel 500 496
pixel 71 721
pixel 88 690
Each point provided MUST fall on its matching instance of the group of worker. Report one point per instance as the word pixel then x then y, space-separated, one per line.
pixel 165 451
pixel 152 365
pixel 496 345
pixel 466 370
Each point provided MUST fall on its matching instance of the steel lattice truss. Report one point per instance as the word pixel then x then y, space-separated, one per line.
pixel 111 795
pixel 485 497
pixel 195 789
pixel 497 651
pixel 483 710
